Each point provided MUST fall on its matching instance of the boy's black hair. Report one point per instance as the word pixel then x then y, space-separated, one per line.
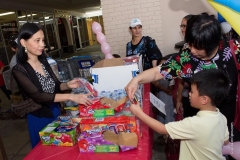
pixel 212 83
pixel 203 32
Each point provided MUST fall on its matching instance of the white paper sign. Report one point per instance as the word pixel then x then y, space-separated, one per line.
pixel 157 103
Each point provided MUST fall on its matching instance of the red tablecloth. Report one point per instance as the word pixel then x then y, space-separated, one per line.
pixel 143 152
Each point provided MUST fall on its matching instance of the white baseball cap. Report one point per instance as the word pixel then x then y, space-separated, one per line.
pixel 134 22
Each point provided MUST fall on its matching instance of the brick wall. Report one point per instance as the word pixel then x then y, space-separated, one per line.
pixel 117 15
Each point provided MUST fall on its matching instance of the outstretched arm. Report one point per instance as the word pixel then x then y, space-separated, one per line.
pixel 38 96
pixel 147 76
pixel 149 121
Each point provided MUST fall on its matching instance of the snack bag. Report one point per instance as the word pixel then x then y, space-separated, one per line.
pixel 88 86
pixel 95 110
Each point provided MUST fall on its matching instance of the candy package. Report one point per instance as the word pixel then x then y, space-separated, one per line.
pixel 95 110
pixel 115 124
pixel 88 86
pixel 94 141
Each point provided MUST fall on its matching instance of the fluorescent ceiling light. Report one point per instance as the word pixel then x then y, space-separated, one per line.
pixel 94 13
pixel 27 15
pixel 47 20
pixel 46 17
pixel 6 13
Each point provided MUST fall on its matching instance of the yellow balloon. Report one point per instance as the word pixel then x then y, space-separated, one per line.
pixel 230 15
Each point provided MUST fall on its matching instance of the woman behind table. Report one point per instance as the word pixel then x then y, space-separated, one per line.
pixel 165 95
pixel 206 51
pixel 182 102
pixel 37 81
pixel 165 92
pixel 143 45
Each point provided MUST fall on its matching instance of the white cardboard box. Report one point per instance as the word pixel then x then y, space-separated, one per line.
pixel 112 74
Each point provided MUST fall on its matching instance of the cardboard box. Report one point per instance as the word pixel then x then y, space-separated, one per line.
pixel 62 132
pixel 116 105
pixel 112 74
pixel 110 136
pixel 127 141
pixel 94 141
pixel 115 124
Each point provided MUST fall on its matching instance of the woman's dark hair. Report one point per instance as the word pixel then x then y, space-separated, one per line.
pixel 203 32
pixel 188 17
pixel 135 26
pixel 26 32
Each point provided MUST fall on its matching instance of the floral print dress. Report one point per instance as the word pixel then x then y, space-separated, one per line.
pixel 184 65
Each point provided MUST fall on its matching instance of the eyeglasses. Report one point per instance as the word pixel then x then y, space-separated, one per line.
pixel 183 26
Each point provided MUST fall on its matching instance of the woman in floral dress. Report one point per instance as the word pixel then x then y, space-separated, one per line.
pixel 206 50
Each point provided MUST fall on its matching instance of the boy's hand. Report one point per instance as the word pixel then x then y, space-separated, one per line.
pixel 135 108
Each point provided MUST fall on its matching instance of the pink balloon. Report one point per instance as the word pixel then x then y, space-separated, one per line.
pixel 106 49
pixel 108 56
pixel 232 149
pixel 96 27
pixel 101 37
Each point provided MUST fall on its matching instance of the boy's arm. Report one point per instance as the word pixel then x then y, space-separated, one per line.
pixel 152 123
pixel 226 138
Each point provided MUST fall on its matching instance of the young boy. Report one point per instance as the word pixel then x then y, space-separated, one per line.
pixel 202 136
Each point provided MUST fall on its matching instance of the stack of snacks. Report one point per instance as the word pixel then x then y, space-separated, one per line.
pixel 61 132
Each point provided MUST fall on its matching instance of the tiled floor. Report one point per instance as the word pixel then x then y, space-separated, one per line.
pixel 15 135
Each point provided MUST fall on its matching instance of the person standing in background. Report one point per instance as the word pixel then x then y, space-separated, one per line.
pixel 2 83
pixel 164 93
pixel 13 45
pixel 182 102
pixel 142 45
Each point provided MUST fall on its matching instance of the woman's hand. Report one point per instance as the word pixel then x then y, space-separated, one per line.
pixel 131 88
pixel 75 83
pixel 81 99
pixel 179 107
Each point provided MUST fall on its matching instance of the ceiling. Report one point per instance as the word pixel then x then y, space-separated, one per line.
pixel 69 5
pixel 77 6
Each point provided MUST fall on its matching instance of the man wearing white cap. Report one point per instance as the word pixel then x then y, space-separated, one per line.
pixel 142 45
